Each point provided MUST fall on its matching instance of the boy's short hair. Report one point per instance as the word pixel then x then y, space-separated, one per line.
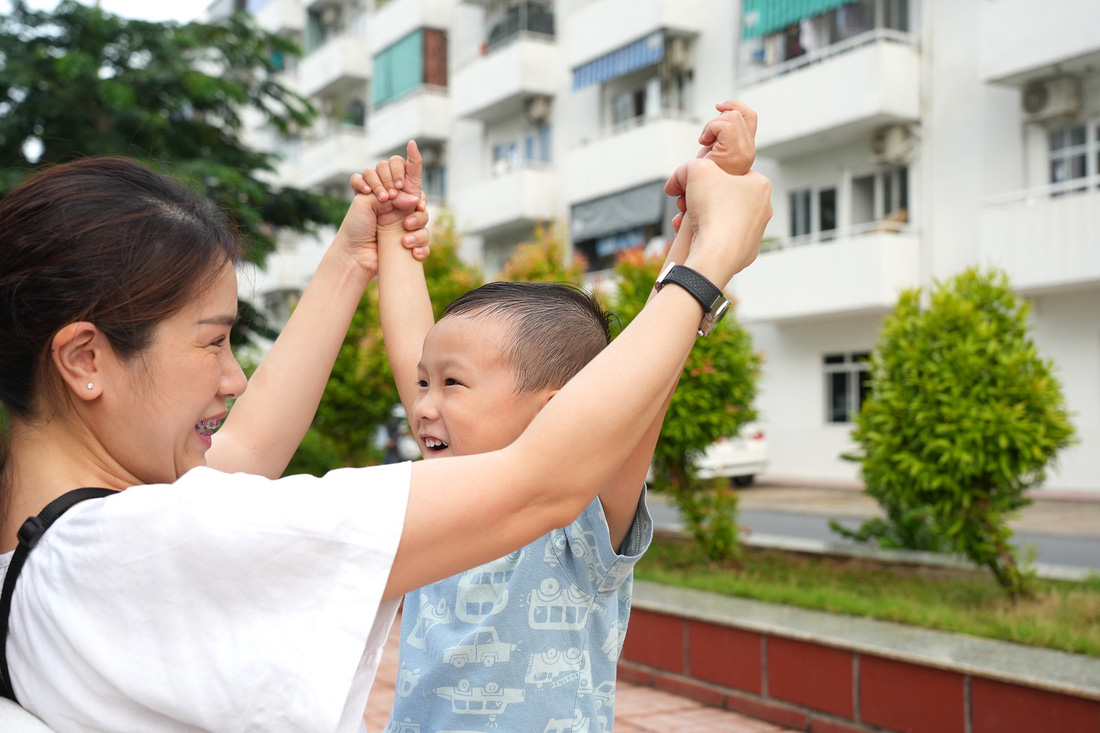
pixel 557 328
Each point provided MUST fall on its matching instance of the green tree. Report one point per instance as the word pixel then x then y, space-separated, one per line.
pixel 79 81
pixel 545 259
pixel 361 392
pixel 963 417
pixel 714 399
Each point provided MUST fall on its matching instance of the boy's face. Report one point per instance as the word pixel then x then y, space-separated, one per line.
pixel 466 402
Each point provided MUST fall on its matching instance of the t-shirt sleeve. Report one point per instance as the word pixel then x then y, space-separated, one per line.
pixel 585 546
pixel 224 602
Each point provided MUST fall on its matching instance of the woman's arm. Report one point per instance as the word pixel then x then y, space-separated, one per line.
pixel 728 140
pixel 468 510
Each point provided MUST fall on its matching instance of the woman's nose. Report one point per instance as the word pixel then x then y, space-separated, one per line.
pixel 234 381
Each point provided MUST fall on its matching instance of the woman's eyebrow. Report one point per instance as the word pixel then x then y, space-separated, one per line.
pixel 226 320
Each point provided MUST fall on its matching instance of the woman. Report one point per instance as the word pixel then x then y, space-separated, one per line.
pixel 207 594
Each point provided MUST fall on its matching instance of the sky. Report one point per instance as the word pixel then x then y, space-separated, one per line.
pixel 158 10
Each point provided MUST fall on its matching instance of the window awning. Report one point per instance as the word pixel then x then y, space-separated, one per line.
pixel 634 207
pixel 762 17
pixel 631 57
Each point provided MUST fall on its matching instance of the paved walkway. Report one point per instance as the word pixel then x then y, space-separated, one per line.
pixel 639 709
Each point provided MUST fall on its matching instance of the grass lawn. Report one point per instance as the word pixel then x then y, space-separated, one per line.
pixel 1061 615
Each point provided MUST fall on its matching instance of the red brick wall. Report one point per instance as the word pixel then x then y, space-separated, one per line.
pixel 816 687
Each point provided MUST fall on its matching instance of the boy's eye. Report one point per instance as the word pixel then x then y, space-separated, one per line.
pixel 422 383
pixel 451 382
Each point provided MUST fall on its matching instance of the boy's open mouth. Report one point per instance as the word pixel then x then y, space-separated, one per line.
pixel 433 444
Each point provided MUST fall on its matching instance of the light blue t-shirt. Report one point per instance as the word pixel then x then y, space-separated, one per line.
pixel 529 642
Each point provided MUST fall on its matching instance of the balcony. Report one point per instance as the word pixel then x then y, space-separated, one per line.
pixel 1019 42
pixel 838 94
pixel 638 151
pixel 602 26
pixel 279 16
pixel 423 115
pixel 1045 238
pixel 519 197
pixel 398 18
pixel 330 158
pixel 342 62
pixel 861 272
pixel 527 65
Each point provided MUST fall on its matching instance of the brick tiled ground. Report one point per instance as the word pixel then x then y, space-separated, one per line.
pixel 640 709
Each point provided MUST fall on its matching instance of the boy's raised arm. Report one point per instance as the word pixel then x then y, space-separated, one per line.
pixel 270 419
pixel 405 307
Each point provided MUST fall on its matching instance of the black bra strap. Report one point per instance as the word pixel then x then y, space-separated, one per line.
pixel 29 535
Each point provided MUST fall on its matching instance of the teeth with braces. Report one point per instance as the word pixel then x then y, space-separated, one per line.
pixel 207 427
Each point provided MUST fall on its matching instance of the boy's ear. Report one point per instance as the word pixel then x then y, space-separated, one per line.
pixel 77 355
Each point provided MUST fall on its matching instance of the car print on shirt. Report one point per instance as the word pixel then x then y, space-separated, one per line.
pixel 480 646
pixel 491 700
pixel 429 617
pixel 555 669
pixel 483 591
pixel 551 607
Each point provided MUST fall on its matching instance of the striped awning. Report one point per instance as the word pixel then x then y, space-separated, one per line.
pixel 763 17
pixel 631 57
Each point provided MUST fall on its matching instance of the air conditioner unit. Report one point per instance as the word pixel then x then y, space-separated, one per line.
pixel 1050 99
pixel 891 145
pixel 330 16
pixel 677 57
pixel 538 109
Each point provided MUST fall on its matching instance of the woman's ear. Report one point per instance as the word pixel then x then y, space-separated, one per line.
pixel 77 353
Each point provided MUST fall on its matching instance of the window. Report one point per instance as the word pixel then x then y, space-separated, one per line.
pixel 880 196
pixel 1070 151
pixel 813 213
pixel 847 382
pixel 418 58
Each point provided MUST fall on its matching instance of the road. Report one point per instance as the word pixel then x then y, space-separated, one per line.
pixel 1051 548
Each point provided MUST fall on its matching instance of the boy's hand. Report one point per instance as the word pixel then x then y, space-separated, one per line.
pixel 728 140
pixel 396 186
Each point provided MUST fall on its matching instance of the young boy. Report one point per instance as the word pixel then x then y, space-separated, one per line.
pixel 530 641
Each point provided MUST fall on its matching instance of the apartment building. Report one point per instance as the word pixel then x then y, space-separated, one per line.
pixel 906 140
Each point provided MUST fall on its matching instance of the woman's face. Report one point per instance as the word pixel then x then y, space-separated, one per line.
pixel 178 387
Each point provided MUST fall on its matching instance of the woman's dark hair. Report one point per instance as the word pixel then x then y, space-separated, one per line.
pixel 104 240
pixel 557 328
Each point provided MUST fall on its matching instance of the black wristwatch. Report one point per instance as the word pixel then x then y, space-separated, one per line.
pixel 714 303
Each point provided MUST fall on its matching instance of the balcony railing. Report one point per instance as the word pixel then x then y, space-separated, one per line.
pixel 1050 190
pixel 633 123
pixel 759 74
pixel 881 226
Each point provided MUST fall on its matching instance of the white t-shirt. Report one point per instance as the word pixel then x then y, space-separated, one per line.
pixel 222 602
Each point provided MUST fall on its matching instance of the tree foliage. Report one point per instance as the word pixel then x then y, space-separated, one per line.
pixel 714 399
pixel 963 417
pixel 545 259
pixel 79 81
pixel 361 390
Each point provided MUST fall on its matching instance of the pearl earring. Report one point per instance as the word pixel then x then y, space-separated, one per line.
pixel 91 386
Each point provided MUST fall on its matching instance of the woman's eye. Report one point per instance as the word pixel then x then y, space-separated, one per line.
pixel 218 341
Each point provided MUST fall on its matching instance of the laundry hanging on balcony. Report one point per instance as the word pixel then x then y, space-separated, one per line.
pixel 764 17
pixel 631 57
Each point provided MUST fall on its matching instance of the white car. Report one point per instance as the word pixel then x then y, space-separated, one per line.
pixel 739 458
